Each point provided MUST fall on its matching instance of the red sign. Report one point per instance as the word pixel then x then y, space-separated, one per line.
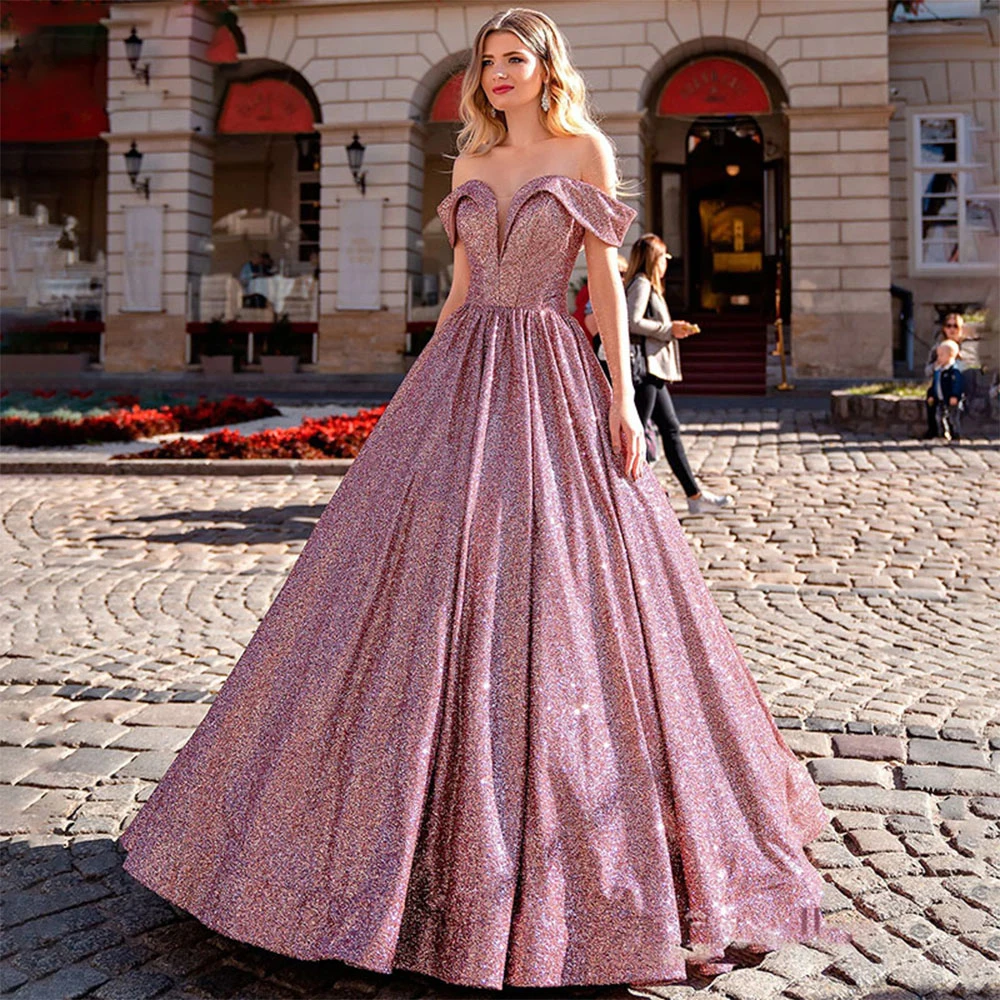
pixel 714 86
pixel 223 48
pixel 265 105
pixel 446 101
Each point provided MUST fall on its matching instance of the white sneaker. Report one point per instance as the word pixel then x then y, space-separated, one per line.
pixel 709 502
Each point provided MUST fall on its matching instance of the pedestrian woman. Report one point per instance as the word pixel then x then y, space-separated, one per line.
pixel 649 317
pixel 953 328
pixel 589 323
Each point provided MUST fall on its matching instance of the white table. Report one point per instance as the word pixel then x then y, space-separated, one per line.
pixel 274 287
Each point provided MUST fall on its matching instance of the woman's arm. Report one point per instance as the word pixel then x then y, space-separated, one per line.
pixel 931 360
pixel 459 285
pixel 639 324
pixel 611 312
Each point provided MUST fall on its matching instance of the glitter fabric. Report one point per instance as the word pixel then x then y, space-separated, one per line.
pixel 493 728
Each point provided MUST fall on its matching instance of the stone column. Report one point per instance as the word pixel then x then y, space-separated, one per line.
pixel 171 123
pixel 840 251
pixel 352 340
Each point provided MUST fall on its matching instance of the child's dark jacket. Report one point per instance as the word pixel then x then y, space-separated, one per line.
pixel 952 384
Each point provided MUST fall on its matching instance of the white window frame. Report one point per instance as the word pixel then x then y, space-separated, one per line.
pixel 963 168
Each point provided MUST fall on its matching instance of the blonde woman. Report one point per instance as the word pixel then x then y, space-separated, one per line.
pixel 494 728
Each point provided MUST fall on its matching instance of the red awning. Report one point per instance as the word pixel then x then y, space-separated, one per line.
pixel 64 103
pixel 265 105
pixel 59 98
pixel 714 86
pixel 223 49
pixel 446 100
pixel 21 18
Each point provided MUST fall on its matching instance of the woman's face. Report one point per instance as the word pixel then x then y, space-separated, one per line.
pixel 661 263
pixel 952 328
pixel 511 74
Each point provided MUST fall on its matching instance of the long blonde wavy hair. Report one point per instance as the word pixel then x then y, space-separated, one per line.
pixel 569 108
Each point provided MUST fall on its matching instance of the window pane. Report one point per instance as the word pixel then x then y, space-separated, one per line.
pixel 939 140
pixel 981 215
pixel 981 231
pixel 673 212
pixel 940 192
pixel 939 242
pixel 941 206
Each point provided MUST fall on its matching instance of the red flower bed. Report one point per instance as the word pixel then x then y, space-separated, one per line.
pixel 329 437
pixel 131 422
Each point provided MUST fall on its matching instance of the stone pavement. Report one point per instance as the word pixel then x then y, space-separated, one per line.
pixel 859 577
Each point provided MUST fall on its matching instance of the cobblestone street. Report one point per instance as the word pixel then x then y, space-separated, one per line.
pixel 859 577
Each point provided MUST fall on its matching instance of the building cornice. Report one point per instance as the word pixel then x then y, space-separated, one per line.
pixel 873 116
pixel 924 33
pixel 162 140
pixel 369 131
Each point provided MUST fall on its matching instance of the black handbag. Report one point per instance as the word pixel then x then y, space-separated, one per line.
pixel 636 345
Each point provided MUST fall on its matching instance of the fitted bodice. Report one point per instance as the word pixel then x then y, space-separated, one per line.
pixel 529 263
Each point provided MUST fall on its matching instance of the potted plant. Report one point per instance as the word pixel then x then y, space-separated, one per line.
pixel 40 351
pixel 219 349
pixel 280 355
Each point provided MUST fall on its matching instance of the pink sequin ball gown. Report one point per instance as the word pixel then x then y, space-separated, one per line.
pixel 493 728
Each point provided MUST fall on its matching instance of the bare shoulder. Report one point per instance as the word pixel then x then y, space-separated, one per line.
pixel 597 161
pixel 462 170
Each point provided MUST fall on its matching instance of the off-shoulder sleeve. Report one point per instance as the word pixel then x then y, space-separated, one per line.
pixel 446 213
pixel 606 217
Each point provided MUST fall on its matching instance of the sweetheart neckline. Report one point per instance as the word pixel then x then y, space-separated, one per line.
pixel 502 234
pixel 531 180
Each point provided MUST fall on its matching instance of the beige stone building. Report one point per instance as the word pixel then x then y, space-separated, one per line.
pixel 831 150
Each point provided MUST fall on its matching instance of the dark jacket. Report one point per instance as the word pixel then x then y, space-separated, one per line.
pixel 952 384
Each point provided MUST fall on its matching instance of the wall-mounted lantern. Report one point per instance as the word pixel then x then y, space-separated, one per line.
pixel 133 161
pixel 133 49
pixel 355 157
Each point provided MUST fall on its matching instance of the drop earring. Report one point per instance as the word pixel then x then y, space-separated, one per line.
pixel 545 96
pixel 493 111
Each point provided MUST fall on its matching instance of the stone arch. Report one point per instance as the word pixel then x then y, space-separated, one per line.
pixel 427 87
pixel 250 71
pixel 736 49
pixel 696 188
pixel 432 144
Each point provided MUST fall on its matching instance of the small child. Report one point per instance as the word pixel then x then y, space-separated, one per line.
pixel 946 392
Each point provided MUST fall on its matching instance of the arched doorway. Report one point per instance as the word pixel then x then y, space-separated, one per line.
pixel 258 300
pixel 718 169
pixel 428 287
pixel 725 176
